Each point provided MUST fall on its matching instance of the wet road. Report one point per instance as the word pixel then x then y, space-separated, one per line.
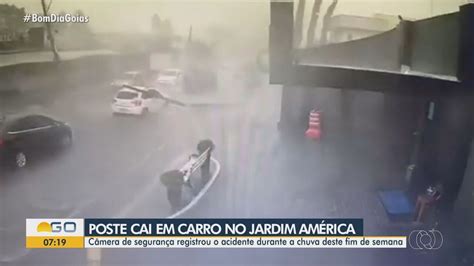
pixel 115 159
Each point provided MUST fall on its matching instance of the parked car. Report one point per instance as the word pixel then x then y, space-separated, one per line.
pixel 170 77
pixel 136 100
pixel 31 136
pixel 199 80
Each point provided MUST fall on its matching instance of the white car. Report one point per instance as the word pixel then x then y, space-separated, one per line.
pixel 170 77
pixel 127 78
pixel 137 100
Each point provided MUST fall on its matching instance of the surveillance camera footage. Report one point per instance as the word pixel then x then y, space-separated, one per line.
pixel 237 132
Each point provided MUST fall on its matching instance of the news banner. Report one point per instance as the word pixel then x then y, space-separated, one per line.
pixel 204 233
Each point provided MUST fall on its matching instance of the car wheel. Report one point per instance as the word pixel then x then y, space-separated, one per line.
pixel 20 159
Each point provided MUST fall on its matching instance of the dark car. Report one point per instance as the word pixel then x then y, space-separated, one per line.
pixel 29 137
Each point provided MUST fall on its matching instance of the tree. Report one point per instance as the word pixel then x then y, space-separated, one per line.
pixel 313 22
pixel 299 23
pixel 326 20
pixel 49 31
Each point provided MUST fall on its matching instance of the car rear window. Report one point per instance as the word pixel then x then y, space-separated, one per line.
pixel 127 95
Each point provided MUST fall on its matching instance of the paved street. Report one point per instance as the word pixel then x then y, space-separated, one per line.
pixel 113 167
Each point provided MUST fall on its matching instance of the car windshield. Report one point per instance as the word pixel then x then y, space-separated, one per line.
pixel 126 95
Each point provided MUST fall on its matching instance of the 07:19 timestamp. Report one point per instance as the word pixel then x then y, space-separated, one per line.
pixel 54 242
